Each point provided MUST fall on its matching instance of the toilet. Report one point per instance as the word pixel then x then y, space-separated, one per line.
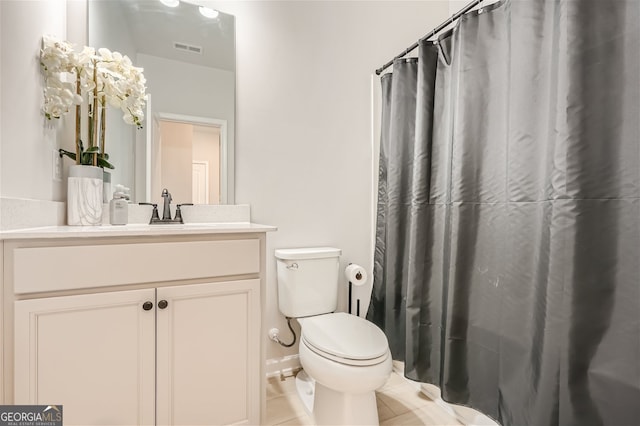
pixel 345 358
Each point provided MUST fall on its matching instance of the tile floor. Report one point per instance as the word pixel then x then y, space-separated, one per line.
pixel 399 403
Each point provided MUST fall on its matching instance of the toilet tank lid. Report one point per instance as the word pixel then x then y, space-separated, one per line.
pixel 307 253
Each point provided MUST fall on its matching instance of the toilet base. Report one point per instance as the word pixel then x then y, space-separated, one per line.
pixel 338 408
pixel 305 386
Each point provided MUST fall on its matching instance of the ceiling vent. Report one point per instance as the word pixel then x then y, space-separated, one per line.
pixel 184 47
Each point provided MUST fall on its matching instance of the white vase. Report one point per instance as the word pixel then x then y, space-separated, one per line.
pixel 84 195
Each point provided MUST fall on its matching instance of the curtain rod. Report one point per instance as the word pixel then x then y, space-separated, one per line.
pixel 435 31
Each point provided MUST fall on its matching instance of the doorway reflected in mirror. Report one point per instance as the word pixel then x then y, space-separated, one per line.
pixel 187 149
pixel 188 155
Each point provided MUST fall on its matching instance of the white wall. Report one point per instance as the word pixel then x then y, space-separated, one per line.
pixel 28 140
pixel 303 146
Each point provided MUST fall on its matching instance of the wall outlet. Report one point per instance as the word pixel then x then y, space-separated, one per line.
pixel 57 166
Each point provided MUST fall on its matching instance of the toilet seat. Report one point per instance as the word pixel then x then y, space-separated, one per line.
pixel 345 338
pixel 346 361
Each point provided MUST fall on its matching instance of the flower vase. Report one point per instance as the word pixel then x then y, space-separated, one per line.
pixel 84 195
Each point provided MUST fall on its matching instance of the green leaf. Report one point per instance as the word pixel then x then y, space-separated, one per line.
pixel 64 152
pixel 102 162
pixel 86 159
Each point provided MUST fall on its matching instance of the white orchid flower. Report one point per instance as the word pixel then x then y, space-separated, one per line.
pixel 118 82
pixel 105 54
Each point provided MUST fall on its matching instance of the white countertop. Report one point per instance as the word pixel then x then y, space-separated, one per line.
pixel 134 230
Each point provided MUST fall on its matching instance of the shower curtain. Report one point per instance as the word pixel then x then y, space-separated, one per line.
pixel 507 258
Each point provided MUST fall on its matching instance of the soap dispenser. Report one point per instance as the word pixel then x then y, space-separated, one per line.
pixel 119 207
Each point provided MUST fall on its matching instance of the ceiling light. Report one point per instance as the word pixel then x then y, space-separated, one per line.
pixel 208 12
pixel 170 3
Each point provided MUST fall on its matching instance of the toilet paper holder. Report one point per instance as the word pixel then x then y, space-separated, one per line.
pixel 358 276
pixel 350 300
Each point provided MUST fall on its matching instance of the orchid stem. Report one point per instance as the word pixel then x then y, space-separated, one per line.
pixel 103 126
pixel 93 141
pixel 78 118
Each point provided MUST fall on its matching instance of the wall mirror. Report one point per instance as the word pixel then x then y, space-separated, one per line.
pixel 187 141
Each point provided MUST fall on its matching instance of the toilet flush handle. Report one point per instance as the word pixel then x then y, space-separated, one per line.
pixel 292 266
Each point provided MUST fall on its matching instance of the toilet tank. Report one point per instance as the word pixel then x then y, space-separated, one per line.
pixel 307 281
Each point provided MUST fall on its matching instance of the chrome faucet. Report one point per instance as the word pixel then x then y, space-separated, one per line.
pixel 166 212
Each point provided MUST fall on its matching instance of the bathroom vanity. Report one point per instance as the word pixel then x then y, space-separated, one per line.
pixel 136 324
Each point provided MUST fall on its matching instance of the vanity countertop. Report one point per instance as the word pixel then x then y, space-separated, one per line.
pixel 134 230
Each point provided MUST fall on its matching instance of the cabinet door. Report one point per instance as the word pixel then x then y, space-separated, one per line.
pixel 208 360
pixel 94 354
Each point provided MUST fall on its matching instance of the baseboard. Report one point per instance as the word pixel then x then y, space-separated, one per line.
pixel 283 366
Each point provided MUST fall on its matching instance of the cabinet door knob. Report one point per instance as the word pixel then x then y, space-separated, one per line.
pixel 147 306
pixel 163 304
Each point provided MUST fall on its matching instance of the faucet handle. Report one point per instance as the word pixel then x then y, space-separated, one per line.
pixel 179 212
pixel 154 214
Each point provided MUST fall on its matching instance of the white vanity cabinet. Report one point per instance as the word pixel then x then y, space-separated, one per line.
pixel 208 369
pixel 93 354
pixel 142 340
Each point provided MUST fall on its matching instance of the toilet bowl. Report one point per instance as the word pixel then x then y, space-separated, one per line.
pixel 346 357
pixel 349 358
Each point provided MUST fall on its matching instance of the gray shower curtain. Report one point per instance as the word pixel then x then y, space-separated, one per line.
pixel 507 259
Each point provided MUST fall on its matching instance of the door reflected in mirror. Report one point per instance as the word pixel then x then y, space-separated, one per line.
pixel 187 159
pixel 189 63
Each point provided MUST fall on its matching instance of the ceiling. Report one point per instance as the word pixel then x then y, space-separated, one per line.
pixel 155 28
